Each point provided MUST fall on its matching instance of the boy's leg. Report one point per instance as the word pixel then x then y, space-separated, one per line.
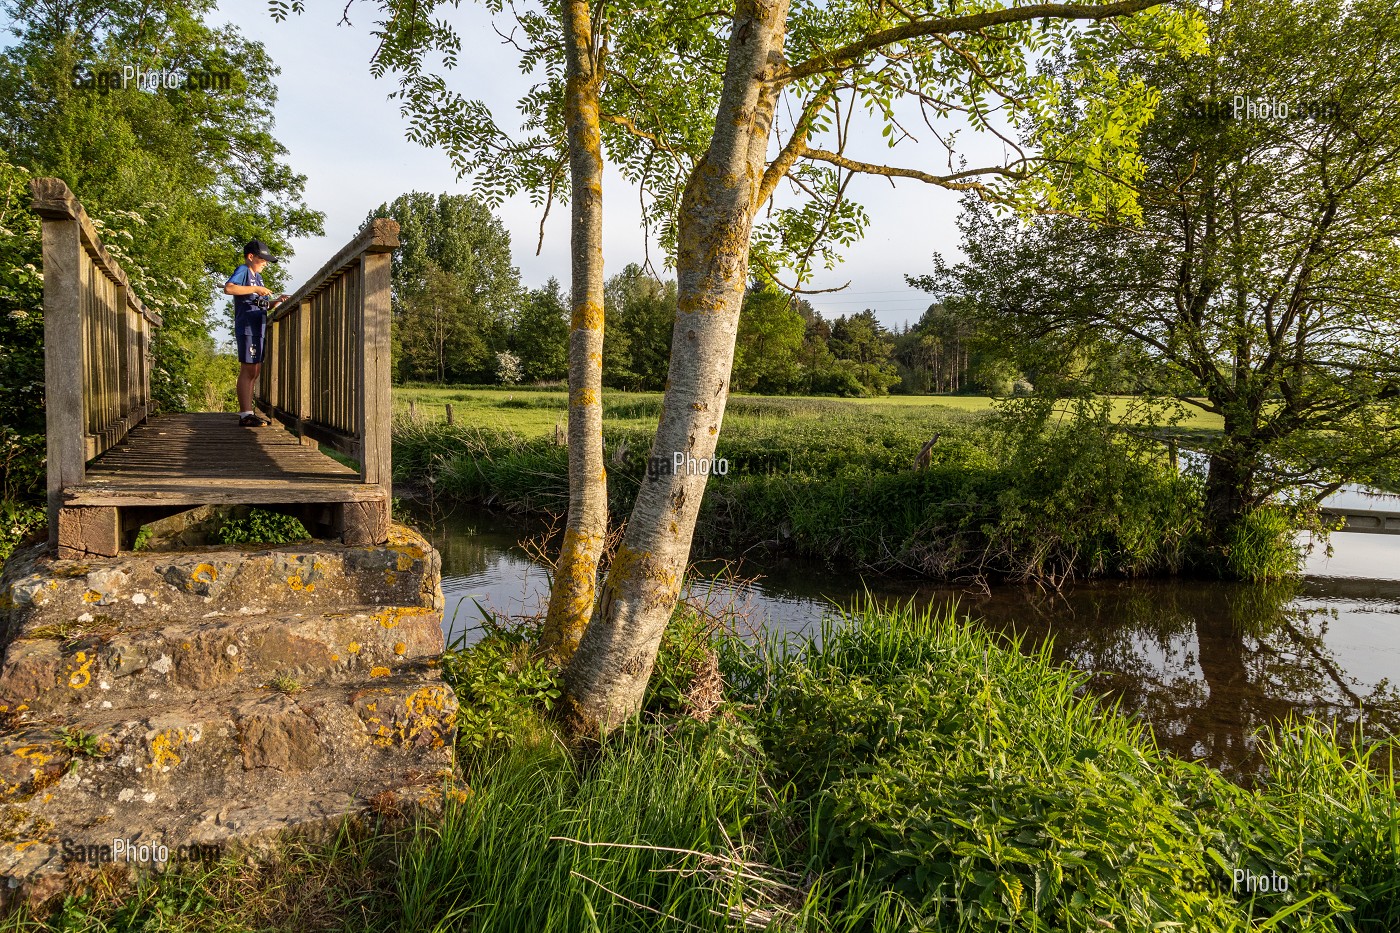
pixel 249 332
pixel 247 378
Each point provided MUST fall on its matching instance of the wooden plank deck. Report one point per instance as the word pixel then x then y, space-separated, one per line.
pixel 206 458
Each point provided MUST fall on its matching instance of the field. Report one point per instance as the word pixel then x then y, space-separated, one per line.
pixel 1000 494
pixel 532 412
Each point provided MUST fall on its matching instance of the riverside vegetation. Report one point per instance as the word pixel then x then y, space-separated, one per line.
pixel 902 771
pixel 1024 491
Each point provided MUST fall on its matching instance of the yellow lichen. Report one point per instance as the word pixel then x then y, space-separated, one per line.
pixel 209 572
pixel 379 672
pixel 92 597
pixel 81 676
pixel 400 647
pixel 163 748
pixel 353 647
pixel 34 754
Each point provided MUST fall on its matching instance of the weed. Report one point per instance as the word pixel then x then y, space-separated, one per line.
pixel 80 743
pixel 285 684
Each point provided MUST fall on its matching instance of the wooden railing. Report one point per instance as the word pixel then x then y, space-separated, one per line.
pixel 326 366
pixel 97 342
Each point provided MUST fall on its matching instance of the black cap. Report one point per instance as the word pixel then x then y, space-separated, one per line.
pixel 259 249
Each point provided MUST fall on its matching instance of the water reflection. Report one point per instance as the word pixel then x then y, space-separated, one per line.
pixel 1206 664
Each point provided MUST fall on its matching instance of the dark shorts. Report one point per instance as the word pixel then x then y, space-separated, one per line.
pixel 248 333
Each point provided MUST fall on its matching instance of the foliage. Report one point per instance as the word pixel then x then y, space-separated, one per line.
pixel 453 287
pixel 540 336
pixel 686 648
pixel 975 788
pixel 260 526
pixel 285 684
pixel 503 691
pixel 80 743
pixel 19 521
pixel 1262 283
pixel 639 313
pixel 1041 492
pixel 770 340
pixel 21 338
pixel 895 771
pixel 176 179
pixel 508 368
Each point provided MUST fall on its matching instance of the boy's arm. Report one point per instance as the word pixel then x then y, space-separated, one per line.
pixel 231 289
pixel 238 284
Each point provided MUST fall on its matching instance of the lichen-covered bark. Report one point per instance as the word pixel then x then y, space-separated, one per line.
pixel 575 580
pixel 608 675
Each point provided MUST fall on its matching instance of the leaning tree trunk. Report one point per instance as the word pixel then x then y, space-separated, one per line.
pixel 575 575
pixel 607 677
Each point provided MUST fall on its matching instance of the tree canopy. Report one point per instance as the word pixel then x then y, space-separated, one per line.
pixel 179 177
pixel 454 287
pixel 1263 284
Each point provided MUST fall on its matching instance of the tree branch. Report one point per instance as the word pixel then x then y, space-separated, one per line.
pixel 844 57
pixel 952 182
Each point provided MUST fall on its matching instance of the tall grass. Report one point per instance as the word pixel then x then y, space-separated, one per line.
pixel 1079 498
pixel 979 789
pixel 899 771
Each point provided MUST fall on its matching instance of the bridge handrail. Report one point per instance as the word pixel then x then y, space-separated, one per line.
pixel 96 328
pixel 326 370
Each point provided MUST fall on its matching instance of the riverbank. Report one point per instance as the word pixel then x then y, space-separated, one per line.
pixel 903 771
pixel 926 490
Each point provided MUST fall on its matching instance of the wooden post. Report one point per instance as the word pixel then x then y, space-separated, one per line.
pixel 302 360
pixel 65 418
pixel 376 398
pixel 449 414
pixel 412 411
pixel 270 376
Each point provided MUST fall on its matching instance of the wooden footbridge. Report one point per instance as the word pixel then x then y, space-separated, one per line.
pixel 115 464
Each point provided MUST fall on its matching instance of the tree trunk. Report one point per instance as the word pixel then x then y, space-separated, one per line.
pixel 1230 496
pixel 575 576
pixel 605 681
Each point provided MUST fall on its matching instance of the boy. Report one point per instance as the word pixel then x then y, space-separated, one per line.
pixel 250 307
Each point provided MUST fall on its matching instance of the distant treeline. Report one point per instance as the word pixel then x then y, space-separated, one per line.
pixel 462 317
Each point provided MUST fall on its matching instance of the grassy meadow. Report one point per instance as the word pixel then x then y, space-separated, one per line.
pixel 1083 490
pixel 531 411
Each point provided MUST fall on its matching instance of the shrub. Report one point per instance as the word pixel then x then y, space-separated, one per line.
pixel 260 526
pixel 19 521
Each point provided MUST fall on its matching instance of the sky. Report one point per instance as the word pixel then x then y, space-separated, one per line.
pixel 347 137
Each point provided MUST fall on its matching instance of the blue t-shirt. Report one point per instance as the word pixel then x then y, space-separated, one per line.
pixel 246 304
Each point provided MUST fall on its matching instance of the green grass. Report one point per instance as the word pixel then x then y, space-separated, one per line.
pixel 828 479
pixel 901 771
pixel 531 411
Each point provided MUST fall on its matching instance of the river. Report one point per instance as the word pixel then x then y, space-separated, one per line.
pixel 1206 664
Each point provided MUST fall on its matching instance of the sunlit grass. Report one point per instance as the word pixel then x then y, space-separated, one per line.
pixel 532 411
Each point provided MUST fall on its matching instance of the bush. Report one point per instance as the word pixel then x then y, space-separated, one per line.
pixel 1024 498
pixel 261 527
pixel 19 521
pixel 503 691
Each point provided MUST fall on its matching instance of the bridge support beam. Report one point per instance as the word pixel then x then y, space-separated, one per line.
pixel 364 523
pixel 88 531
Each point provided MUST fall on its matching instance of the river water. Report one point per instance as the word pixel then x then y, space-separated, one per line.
pixel 1206 664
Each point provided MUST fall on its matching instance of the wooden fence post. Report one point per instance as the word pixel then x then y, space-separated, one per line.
pixel 64 368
